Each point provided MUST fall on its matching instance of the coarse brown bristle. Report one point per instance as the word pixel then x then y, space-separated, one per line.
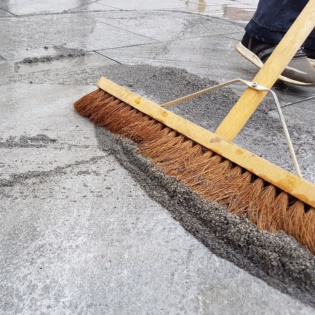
pixel 206 173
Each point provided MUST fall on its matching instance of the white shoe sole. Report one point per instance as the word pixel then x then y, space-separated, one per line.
pixel 258 63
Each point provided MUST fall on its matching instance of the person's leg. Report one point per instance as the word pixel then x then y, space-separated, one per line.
pixel 273 18
pixel 265 30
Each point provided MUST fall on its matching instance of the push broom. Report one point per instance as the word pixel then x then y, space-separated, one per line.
pixel 210 164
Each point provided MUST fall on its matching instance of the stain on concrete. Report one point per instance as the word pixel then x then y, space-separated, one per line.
pixel 64 53
pixel 43 176
pixel 24 141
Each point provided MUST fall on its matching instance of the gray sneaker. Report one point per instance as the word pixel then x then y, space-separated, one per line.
pixel 299 71
pixel 310 54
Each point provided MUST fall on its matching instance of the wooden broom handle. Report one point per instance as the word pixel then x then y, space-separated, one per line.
pixel 269 73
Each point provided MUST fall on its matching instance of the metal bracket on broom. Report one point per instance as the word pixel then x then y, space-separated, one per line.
pixel 257 87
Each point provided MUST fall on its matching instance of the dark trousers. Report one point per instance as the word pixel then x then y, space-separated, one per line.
pixel 273 18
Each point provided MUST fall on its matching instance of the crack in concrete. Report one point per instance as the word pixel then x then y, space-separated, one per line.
pixel 135 45
pixel 7 12
pixel 80 6
pixel 112 59
pixel 100 21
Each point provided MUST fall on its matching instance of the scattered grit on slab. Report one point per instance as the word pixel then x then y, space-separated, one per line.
pixel 276 258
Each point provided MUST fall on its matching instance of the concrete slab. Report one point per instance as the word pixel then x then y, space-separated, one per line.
pixel 230 9
pixel 206 56
pixel 292 112
pixel 34 131
pixel 165 26
pixel 144 5
pixel 302 114
pixel 19 37
pixel 210 8
pixel 40 7
pixel 104 35
pixel 234 10
pixel 63 70
pixel 92 7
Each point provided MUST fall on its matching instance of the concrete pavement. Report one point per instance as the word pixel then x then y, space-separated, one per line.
pixel 79 233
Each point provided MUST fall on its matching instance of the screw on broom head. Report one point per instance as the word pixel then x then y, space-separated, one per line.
pixel 208 174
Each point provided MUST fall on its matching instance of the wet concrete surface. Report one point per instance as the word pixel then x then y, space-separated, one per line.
pixel 226 8
pixel 79 234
